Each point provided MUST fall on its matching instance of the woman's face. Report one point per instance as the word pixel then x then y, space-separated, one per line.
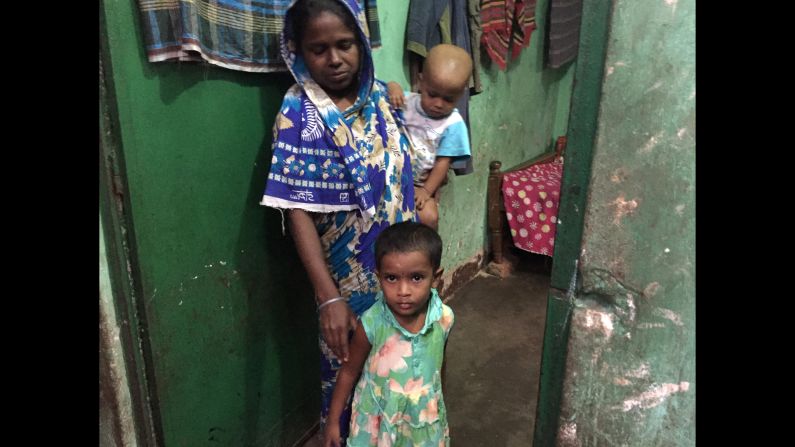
pixel 331 52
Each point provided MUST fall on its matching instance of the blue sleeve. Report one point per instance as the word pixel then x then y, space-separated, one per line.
pixel 455 141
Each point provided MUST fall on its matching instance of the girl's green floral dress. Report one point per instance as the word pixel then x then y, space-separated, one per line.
pixel 398 400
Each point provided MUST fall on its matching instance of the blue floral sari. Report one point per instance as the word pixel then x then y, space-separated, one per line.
pixel 350 168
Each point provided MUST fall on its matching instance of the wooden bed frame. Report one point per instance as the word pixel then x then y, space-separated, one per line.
pixel 499 234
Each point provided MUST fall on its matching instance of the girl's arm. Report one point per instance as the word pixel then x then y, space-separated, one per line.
pixel 346 379
pixel 336 319
pixel 434 181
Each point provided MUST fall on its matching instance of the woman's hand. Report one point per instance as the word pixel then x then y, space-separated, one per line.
pixel 336 321
pixel 395 94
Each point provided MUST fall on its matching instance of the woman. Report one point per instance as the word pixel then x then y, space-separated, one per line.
pixel 340 167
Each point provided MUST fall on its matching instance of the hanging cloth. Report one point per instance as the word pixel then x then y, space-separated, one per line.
pixel 234 34
pixel 563 31
pixel 506 22
pixel 475 31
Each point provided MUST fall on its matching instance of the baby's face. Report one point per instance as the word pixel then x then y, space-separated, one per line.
pixel 438 96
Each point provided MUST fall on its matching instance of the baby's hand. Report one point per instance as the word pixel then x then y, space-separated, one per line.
pixel 395 95
pixel 421 195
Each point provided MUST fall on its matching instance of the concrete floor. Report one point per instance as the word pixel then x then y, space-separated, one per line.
pixel 493 357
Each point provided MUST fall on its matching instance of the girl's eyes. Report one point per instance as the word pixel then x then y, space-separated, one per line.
pixel 415 277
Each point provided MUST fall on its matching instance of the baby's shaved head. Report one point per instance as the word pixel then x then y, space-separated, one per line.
pixel 449 63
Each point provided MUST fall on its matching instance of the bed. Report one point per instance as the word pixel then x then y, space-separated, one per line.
pixel 522 206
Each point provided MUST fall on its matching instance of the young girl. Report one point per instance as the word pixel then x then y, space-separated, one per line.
pixel 340 167
pixel 398 348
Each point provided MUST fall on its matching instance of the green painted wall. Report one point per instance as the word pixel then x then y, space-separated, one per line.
pixel 630 368
pixel 228 312
pixel 224 303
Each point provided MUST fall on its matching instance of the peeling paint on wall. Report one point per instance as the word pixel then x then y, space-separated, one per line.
pixel 567 436
pixel 623 207
pixel 672 4
pixel 654 396
pixel 669 315
pixel 654 140
pixel 651 289
pixel 656 85
pixel 601 322
pixel 453 280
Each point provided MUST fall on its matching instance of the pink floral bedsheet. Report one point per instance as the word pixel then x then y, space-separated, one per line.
pixel 531 200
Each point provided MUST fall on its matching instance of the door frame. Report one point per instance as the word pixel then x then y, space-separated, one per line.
pixel 581 139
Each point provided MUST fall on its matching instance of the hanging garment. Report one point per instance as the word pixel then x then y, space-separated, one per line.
pixel 234 34
pixel 506 22
pixel 475 31
pixel 563 31
pixel 425 27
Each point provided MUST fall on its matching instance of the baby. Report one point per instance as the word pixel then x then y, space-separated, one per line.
pixel 436 130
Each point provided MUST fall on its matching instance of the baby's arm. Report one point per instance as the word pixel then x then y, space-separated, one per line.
pixel 395 94
pixel 346 380
pixel 434 181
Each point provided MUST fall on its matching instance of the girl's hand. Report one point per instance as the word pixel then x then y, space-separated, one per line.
pixel 395 95
pixel 336 322
pixel 331 437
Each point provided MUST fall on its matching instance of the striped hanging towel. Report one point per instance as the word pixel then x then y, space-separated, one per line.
pixel 505 22
pixel 563 31
pixel 235 34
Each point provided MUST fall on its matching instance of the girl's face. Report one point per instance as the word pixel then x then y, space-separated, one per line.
pixel 331 52
pixel 406 280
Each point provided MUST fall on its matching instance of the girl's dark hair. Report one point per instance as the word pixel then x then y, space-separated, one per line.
pixel 405 237
pixel 304 10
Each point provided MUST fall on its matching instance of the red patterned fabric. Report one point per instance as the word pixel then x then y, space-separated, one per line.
pixel 505 22
pixel 531 200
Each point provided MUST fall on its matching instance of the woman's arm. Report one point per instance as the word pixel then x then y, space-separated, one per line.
pixel 346 380
pixel 336 319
